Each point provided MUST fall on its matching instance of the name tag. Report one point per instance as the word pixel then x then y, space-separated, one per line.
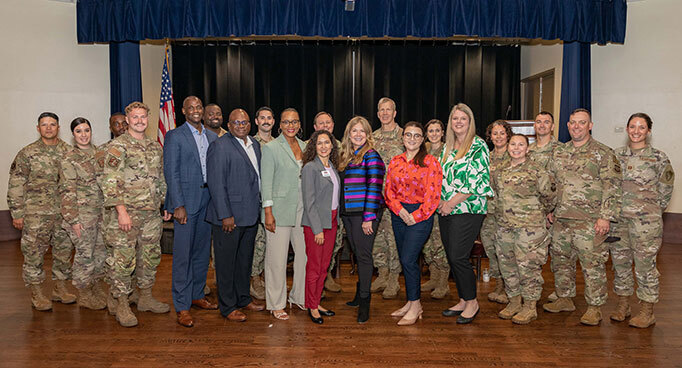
pixel 325 173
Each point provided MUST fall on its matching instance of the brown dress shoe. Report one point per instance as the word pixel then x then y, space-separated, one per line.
pixel 185 319
pixel 255 307
pixel 236 316
pixel 204 304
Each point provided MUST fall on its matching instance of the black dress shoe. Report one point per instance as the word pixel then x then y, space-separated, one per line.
pixel 463 320
pixel 451 313
pixel 327 313
pixel 317 320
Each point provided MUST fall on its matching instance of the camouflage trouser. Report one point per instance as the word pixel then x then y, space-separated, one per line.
pixel 88 261
pixel 488 234
pixel 39 233
pixel 109 221
pixel 258 264
pixel 434 252
pixel 640 241
pixel 385 252
pixel 337 245
pixel 576 239
pixel 138 251
pixel 521 253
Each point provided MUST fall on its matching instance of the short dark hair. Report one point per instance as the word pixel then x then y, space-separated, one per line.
pixel 641 115
pixel 520 135
pixel 118 113
pixel 212 104
pixel 48 114
pixel 289 109
pixel 580 109
pixel 78 121
pixel 264 108
pixel 544 112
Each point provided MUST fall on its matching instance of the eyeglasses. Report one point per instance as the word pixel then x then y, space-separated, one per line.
pixel 240 123
pixel 289 122
pixel 416 136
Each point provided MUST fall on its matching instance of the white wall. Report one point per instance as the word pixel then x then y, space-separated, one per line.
pixel 151 64
pixel 44 69
pixel 645 75
pixel 542 56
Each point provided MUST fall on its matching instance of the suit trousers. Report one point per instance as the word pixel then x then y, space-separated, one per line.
pixel 362 246
pixel 410 240
pixel 318 257
pixel 276 252
pixel 459 233
pixel 233 258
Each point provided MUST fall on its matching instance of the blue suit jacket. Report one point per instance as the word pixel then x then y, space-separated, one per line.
pixel 232 182
pixel 182 169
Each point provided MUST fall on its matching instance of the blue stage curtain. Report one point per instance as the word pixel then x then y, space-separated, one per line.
pixel 599 21
pixel 576 82
pixel 124 74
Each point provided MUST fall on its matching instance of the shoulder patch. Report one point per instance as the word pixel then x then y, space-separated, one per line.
pixel 114 151
pixel 113 161
pixel 668 176
pixel 616 164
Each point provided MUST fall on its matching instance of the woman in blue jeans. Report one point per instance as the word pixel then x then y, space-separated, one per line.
pixel 413 186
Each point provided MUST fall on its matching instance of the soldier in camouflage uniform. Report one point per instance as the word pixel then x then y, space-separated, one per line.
pixel 434 252
pixel 524 194
pixel 388 143
pixel 588 177
pixel 541 152
pixel 648 179
pixel 33 202
pixel 498 133
pixel 265 120
pixel 81 200
pixel 135 186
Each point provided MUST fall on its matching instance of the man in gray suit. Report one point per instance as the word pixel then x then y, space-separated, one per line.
pixel 233 168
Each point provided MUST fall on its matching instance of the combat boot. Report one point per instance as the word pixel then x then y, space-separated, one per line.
pixel 87 299
pixel 330 284
pixel 560 305
pixel 552 297
pixel 645 317
pixel 124 315
pixel 499 295
pixel 380 283
pixel 623 310
pixel 147 303
pixel 112 303
pixel 592 317
pixel 60 293
pixel 134 296
pixel 99 292
pixel 257 288
pixel 442 287
pixel 512 308
pixel 527 314
pixel 432 283
pixel 392 286
pixel 38 299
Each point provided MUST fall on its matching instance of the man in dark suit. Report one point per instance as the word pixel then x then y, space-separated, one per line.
pixel 184 166
pixel 234 209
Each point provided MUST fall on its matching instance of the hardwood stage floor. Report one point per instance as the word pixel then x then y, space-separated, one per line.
pixel 69 337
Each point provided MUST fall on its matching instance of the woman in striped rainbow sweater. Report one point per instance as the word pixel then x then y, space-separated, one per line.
pixel 362 173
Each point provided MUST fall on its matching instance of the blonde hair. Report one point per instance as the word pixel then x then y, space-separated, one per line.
pixel 347 147
pixel 384 100
pixel 137 105
pixel 450 135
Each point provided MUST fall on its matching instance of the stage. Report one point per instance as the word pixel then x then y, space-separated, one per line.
pixel 73 337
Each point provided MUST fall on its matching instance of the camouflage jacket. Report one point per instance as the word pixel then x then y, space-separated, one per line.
pixel 33 179
pixel 542 155
pixel 261 140
pixel 524 193
pixel 648 179
pixel 133 174
pixel 388 144
pixel 496 163
pixel 78 187
pixel 588 181
pixel 100 156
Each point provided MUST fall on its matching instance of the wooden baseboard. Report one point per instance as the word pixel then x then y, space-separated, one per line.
pixel 672 227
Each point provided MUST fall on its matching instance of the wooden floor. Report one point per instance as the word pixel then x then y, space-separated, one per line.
pixel 69 337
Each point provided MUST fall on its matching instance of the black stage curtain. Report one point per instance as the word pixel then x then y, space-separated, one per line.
pixel 425 80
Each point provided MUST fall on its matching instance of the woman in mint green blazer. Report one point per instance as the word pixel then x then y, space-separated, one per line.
pixel 282 211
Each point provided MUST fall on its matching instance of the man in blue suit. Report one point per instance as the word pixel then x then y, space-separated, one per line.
pixel 234 183
pixel 184 166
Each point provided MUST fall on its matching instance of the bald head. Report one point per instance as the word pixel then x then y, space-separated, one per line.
pixel 238 123
pixel 193 110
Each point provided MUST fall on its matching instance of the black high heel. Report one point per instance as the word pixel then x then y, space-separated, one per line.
pixel 464 320
pixel 327 313
pixel 317 320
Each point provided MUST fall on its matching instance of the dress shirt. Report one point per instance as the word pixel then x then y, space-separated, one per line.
pixel 407 182
pixel 248 148
pixel 201 139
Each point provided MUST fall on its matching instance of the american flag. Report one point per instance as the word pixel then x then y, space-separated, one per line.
pixel 166 108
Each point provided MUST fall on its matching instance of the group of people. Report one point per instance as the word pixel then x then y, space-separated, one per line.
pixel 395 192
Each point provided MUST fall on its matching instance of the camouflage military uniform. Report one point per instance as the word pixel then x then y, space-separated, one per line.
pixel 81 199
pixel 647 188
pixel 588 188
pixel 258 264
pixel 32 195
pixel 385 252
pixel 109 215
pixel 133 177
pixel 524 195
pixel 434 252
pixel 489 227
